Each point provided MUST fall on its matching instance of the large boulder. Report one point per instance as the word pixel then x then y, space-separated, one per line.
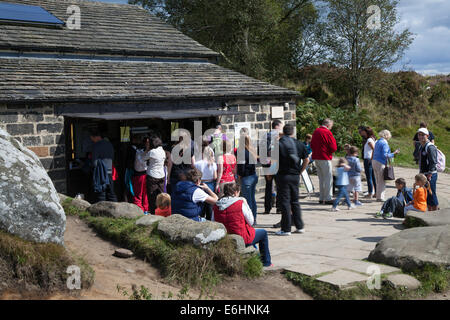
pixel 178 228
pixel 29 203
pixel 428 219
pixel 80 204
pixel 115 210
pixel 149 221
pixel 414 248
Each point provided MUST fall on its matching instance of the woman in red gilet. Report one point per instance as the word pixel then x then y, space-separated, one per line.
pixel 235 214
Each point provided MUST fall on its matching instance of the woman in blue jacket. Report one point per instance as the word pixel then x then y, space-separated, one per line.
pixel 380 157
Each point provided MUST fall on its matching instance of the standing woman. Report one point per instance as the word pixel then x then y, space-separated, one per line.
pixel 208 167
pixel 368 148
pixel 246 171
pixel 156 156
pixel 178 167
pixel 381 154
pixel 226 167
pixel 139 181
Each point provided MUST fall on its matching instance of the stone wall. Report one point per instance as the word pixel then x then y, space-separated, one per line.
pixel 259 118
pixel 39 129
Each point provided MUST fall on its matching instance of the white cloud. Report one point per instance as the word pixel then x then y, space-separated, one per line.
pixel 429 20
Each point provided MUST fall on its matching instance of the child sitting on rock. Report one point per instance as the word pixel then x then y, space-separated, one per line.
pixel 395 206
pixel 420 192
pixel 163 202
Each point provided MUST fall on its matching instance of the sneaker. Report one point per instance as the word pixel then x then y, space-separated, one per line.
pixel 358 203
pixel 352 207
pixel 282 233
pixel 299 231
pixel 379 214
pixel 387 215
pixel 277 225
pixel 334 209
pixel 329 202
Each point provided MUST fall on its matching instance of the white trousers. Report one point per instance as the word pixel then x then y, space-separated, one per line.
pixel 378 170
pixel 325 174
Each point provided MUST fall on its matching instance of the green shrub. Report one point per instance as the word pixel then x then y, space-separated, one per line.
pixel 42 266
pixel 346 122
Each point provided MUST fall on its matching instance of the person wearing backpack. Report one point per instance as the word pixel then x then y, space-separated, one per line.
pixel 428 161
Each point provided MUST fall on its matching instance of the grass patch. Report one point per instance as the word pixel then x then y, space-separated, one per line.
pixel 41 267
pixel 184 264
pixel 433 278
pixel 412 222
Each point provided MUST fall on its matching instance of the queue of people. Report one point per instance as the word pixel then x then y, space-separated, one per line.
pixel 220 187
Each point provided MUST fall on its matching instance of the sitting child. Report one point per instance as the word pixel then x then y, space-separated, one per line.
pixel 163 207
pixel 341 184
pixel 354 174
pixel 395 206
pixel 420 188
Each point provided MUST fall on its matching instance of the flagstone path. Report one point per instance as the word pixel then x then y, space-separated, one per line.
pixel 336 243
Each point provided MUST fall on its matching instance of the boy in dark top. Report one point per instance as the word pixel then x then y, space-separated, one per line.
pixel 428 157
pixel 102 150
pixel 417 142
pixel 291 153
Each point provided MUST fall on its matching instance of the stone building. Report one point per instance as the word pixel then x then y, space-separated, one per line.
pixel 123 68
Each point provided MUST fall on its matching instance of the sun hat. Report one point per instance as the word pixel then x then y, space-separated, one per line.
pixel 424 131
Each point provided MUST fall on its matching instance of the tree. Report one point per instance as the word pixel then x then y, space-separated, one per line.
pixel 261 38
pixel 361 38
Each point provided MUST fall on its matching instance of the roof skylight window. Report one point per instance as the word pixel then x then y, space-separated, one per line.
pixel 19 14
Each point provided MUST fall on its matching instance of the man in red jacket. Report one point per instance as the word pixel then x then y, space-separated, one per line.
pixel 323 146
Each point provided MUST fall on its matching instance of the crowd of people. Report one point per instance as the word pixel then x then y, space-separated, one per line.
pixel 218 187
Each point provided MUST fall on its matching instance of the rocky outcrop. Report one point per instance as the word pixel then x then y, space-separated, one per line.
pixel 115 210
pixel 29 203
pixel 428 219
pixel 149 220
pixel 177 228
pixel 414 248
pixel 402 281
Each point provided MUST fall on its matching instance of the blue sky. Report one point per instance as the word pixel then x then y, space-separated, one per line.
pixel 429 20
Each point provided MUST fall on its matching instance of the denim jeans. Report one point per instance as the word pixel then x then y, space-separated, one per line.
pixel 370 176
pixel 432 199
pixel 263 241
pixel 248 190
pixel 108 194
pixel 208 208
pixel 342 194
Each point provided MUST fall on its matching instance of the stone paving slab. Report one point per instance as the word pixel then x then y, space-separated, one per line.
pixel 336 239
pixel 343 278
pixel 362 266
pixel 312 269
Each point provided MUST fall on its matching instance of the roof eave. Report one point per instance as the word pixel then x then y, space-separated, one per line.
pixel 152 99
pixel 124 53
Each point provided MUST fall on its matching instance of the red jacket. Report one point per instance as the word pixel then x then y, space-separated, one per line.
pixel 323 144
pixel 233 220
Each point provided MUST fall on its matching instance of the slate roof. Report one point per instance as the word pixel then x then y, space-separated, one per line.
pixel 62 80
pixel 105 28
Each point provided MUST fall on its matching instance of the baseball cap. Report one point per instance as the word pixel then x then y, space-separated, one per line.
pixel 424 131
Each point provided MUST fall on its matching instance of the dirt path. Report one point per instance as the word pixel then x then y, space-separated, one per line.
pixel 111 271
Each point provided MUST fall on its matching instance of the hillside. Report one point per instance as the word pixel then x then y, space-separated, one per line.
pixel 395 101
